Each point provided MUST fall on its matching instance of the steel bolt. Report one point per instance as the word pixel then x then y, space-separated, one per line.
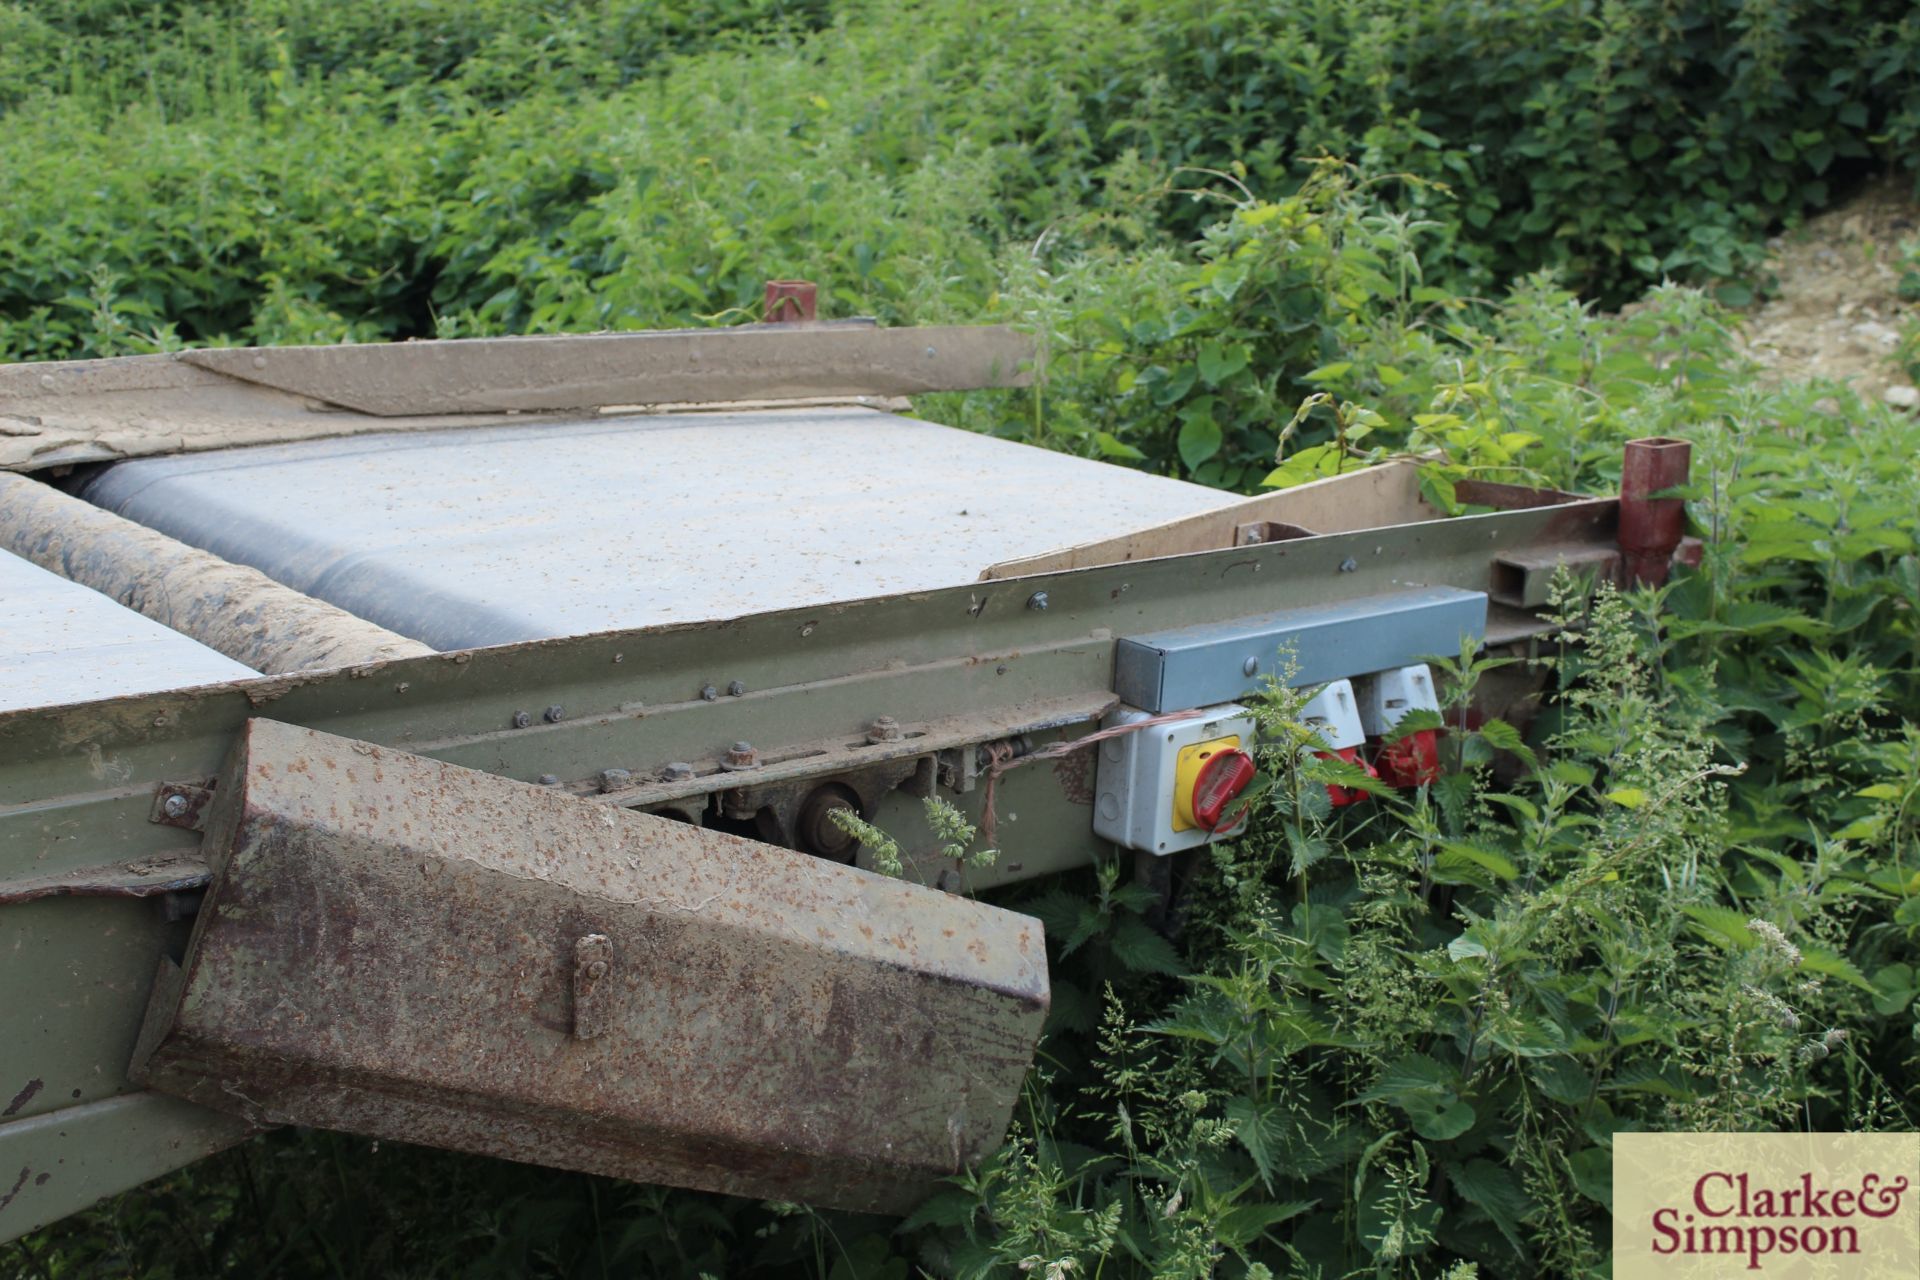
pixel 741 755
pixel 736 689
pixel 521 719
pixel 555 714
pixel 708 693
pixel 1250 667
pixel 549 779
pixel 677 772
pixel 885 729
pixel 176 806
pixel 614 779
pixel 1038 600
pixel 1349 565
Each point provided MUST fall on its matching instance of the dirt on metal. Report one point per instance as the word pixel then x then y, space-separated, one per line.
pixel 227 607
pixel 399 947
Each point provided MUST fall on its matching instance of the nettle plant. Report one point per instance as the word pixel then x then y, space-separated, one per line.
pixel 1402 1035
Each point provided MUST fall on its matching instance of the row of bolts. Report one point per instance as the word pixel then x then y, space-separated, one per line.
pixel 741 755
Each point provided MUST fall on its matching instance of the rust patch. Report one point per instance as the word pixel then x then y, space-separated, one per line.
pixel 18 1183
pixel 141 878
pixel 23 1097
pixel 1075 776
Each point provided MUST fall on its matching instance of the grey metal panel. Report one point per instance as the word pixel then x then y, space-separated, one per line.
pixel 493 535
pixel 1200 665
pixel 61 642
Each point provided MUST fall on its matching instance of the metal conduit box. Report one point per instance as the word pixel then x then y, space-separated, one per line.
pixel 406 949
pixel 1214 662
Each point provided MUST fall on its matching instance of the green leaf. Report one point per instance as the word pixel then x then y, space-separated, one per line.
pixel 1721 926
pixel 1505 737
pixel 1564 1080
pixel 1893 989
pixel 1438 1120
pixel 1492 1190
pixel 1833 965
pixel 1628 797
pixel 1314 463
pixel 1592 1171
pixel 1175 386
pixel 952 1208
pixel 1328 372
pixel 1200 435
pixel 1454 852
pixel 1259 1126
pixel 1241 1225
pixel 1412 1074
pixel 1217 363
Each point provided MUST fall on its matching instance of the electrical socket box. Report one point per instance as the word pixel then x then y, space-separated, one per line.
pixel 1386 696
pixel 1136 782
pixel 1334 713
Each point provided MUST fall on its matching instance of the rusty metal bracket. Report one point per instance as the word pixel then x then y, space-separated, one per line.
pixel 1260 532
pixel 141 878
pixel 181 804
pixel 1521 579
pixel 592 961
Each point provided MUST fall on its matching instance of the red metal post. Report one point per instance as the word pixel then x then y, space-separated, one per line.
pixel 789 301
pixel 1651 528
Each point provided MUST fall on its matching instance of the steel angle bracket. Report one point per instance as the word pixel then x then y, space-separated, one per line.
pixel 408 949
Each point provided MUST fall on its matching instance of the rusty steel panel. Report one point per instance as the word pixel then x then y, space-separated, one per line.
pixel 407 949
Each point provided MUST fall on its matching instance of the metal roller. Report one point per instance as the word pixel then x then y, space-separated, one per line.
pixel 227 607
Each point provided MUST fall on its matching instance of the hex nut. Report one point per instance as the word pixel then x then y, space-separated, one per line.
pixel 615 779
pixel 677 772
pixel 1038 601
pixel 521 719
pixel 555 714
pixel 885 729
pixel 740 755
pixel 708 693
pixel 736 688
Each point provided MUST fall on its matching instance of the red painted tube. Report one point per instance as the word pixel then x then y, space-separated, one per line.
pixel 1651 528
pixel 789 301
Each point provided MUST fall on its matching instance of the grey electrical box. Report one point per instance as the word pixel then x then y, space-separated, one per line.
pixel 1136 793
pixel 1215 662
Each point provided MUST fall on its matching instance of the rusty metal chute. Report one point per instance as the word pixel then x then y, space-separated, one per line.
pixel 403 948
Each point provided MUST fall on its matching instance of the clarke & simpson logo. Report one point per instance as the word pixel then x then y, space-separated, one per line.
pixel 1727 1215
pixel 1781 1205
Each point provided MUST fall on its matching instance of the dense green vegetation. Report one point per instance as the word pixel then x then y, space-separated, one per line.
pixel 297 170
pixel 1395 1039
